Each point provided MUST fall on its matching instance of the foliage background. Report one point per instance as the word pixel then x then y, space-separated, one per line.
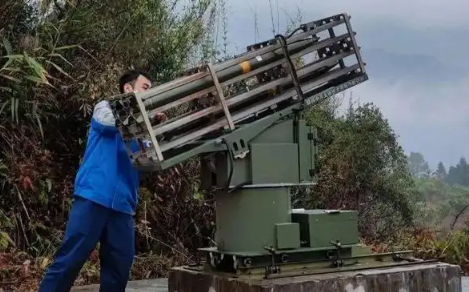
pixel 56 59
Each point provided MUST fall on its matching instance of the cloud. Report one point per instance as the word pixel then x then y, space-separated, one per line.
pixel 397 25
pixel 429 118
pixel 436 14
pixel 410 101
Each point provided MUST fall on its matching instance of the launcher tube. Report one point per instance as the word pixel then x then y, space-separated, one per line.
pixel 184 86
pixel 252 110
pixel 231 72
pixel 207 90
pixel 245 96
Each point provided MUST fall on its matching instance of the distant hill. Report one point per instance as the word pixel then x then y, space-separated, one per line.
pixel 393 51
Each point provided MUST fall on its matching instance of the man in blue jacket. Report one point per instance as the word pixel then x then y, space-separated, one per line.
pixel 105 199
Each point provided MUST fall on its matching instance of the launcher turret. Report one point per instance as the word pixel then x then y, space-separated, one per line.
pixel 245 118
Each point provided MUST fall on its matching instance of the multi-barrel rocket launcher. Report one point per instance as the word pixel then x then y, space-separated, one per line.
pixel 245 118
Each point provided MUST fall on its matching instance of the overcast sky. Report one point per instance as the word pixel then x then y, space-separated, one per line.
pixel 427 103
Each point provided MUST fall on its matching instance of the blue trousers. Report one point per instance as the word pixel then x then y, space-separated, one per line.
pixel 90 223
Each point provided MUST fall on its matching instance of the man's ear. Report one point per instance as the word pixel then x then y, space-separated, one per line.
pixel 128 87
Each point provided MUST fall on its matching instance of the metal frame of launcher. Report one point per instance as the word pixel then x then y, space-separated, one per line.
pixel 257 145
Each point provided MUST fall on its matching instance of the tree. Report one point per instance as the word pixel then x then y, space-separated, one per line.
pixel 459 174
pixel 362 167
pixel 417 165
pixel 463 172
pixel 440 202
pixel 441 171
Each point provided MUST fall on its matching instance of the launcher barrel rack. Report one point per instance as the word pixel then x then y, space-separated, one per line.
pixel 245 119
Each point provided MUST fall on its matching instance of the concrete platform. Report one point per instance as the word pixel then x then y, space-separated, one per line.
pixel 435 277
pixel 161 285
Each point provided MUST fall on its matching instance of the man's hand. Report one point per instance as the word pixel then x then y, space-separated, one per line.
pixel 159 118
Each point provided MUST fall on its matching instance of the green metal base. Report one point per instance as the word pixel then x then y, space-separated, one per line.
pixel 257 231
pixel 300 262
pixel 252 262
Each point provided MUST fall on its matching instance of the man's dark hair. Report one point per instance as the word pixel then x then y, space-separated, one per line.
pixel 130 77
